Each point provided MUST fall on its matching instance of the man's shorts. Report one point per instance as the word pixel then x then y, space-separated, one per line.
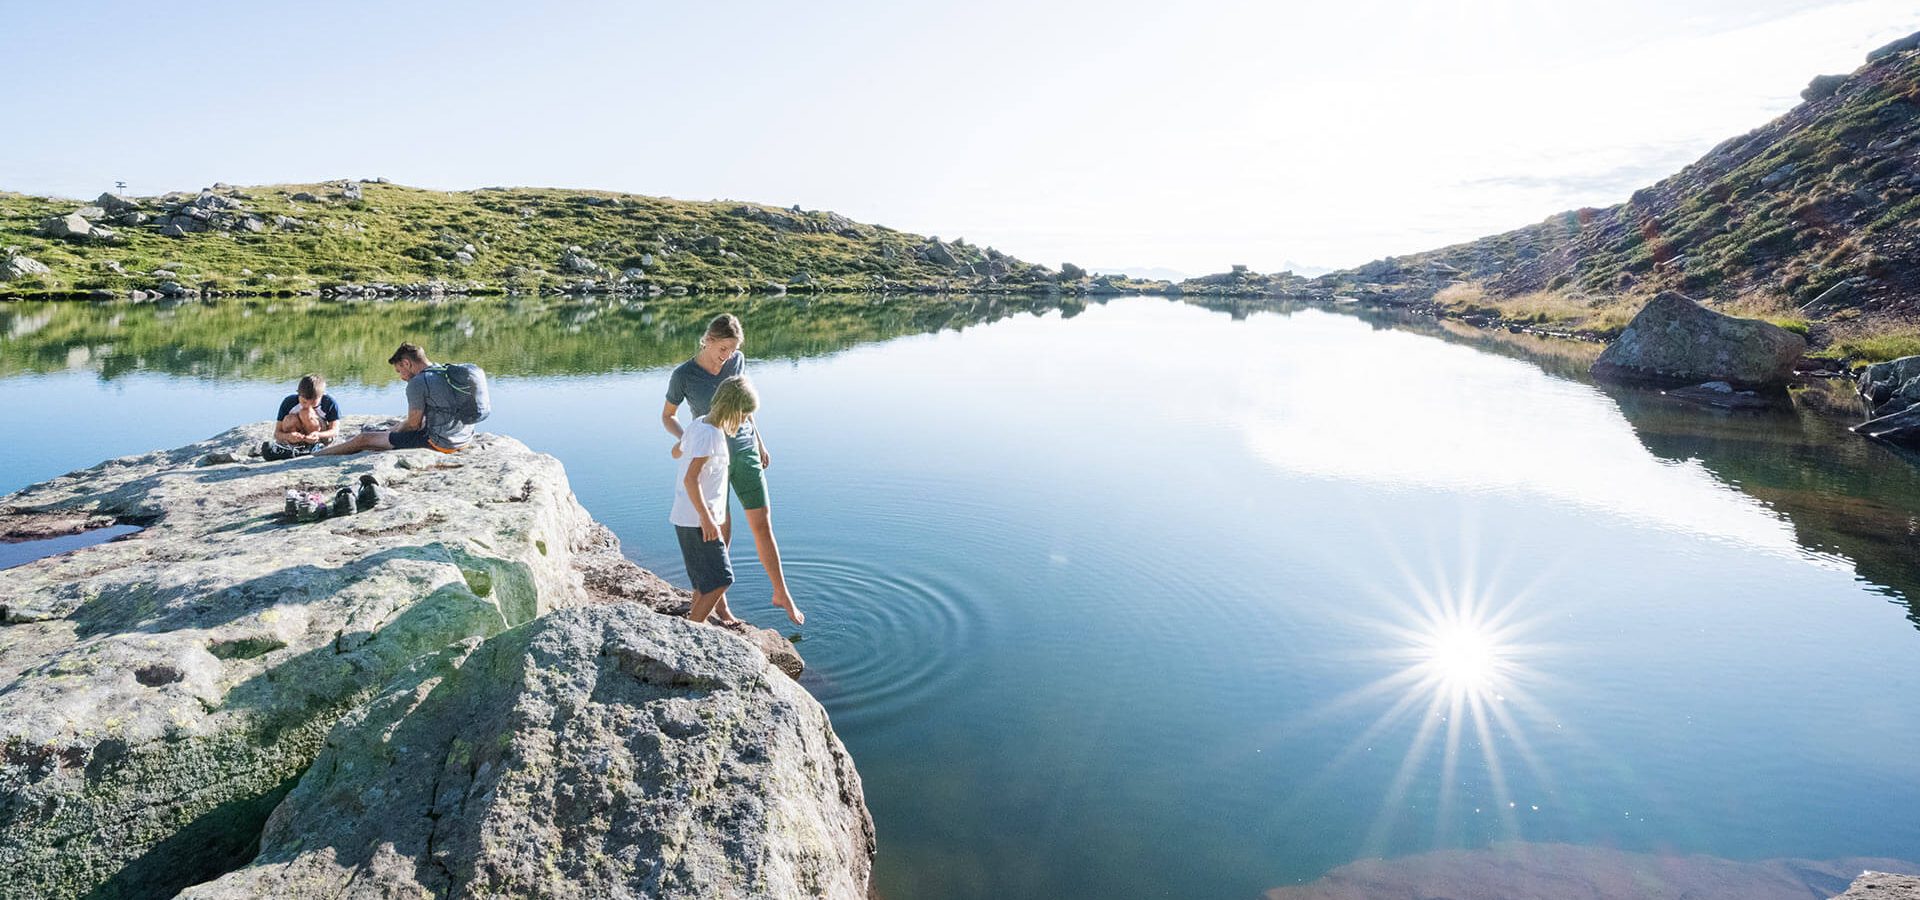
pixel 707 564
pixel 748 480
pixel 413 440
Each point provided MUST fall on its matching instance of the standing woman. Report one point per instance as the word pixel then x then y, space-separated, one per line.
pixel 693 383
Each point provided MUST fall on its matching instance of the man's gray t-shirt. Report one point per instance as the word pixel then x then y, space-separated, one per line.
pixel 430 391
pixel 694 386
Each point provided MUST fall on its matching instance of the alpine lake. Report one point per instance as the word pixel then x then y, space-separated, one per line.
pixel 1144 598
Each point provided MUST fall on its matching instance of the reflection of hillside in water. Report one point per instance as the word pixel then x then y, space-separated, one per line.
pixel 1845 495
pixel 349 341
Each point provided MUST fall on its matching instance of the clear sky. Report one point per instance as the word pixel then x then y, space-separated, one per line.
pixel 1190 135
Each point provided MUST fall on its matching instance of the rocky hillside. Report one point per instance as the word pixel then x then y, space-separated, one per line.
pixel 347 237
pixel 1815 216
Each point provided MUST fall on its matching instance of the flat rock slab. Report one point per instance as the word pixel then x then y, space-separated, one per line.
pixel 160 693
pixel 596 752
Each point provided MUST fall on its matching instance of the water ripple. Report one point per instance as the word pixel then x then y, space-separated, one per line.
pixel 891 642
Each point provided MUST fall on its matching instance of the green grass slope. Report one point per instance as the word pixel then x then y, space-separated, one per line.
pixel 285 239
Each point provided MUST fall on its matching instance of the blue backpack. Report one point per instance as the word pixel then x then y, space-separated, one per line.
pixel 469 383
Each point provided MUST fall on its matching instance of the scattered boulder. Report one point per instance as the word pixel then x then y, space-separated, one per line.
pixel 1071 272
pixel 305 197
pixel 116 205
pixel 940 253
pixel 1823 86
pixel 1778 175
pixel 73 227
pixel 711 243
pixel 683 767
pixel 13 268
pixel 1673 339
pixel 350 190
pixel 90 212
pixel 576 261
pixel 1910 42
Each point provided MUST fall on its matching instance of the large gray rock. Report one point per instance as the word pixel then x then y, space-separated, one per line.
pixel 1674 339
pixel 160 693
pixel 1883 886
pixel 601 752
pixel 16 267
pixel 72 226
pixel 116 205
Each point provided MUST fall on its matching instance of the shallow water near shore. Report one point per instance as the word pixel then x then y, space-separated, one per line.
pixel 1140 599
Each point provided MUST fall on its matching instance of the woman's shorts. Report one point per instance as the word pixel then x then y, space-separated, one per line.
pixel 707 564
pixel 748 480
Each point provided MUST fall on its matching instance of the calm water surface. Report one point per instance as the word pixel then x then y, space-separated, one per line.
pixel 1147 600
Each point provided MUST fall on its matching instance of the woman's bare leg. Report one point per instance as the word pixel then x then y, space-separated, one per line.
pixel 761 522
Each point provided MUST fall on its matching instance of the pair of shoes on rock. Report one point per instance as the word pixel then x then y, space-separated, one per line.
pixel 274 451
pixel 304 507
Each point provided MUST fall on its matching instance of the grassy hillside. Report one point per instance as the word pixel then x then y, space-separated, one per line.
pixel 304 237
pixel 1812 220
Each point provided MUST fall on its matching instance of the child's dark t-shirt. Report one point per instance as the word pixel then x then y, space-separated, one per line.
pixel 328 410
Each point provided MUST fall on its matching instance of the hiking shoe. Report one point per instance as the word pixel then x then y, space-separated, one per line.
pixel 342 503
pixel 311 508
pixel 369 495
pixel 275 451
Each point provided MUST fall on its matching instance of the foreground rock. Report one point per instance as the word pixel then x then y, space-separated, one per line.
pixel 1883 886
pixel 164 691
pixel 1526 871
pixel 602 752
pixel 1892 394
pixel 1674 339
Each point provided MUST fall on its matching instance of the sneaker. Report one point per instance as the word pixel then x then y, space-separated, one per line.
pixel 369 494
pixel 342 504
pixel 276 451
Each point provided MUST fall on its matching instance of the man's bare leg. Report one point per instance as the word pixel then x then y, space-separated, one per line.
pixel 365 440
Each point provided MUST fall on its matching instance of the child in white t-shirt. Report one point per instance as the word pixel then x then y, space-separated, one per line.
pixel 700 498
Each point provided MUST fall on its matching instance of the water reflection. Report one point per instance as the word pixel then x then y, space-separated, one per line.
pixel 279 339
pixel 1848 500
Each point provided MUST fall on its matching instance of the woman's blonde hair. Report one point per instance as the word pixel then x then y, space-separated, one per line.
pixel 733 401
pixel 723 327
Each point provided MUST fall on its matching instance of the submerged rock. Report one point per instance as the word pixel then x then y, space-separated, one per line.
pixel 160 694
pixel 1883 886
pixel 1674 339
pixel 601 752
pixel 1541 871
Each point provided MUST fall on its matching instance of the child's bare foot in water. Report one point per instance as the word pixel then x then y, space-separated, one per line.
pixel 784 600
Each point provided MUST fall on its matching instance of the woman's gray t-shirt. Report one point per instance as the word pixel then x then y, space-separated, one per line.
pixel 694 386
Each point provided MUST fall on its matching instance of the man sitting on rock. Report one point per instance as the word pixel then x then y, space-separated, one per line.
pixel 433 421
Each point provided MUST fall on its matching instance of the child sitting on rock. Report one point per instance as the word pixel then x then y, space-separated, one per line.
pixel 700 498
pixel 308 418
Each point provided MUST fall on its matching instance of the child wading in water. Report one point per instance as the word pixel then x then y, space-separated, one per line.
pixel 700 500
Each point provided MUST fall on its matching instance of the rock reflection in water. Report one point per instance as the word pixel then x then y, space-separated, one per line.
pixel 1524 871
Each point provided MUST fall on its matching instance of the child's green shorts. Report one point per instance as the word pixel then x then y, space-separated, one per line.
pixel 748 480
